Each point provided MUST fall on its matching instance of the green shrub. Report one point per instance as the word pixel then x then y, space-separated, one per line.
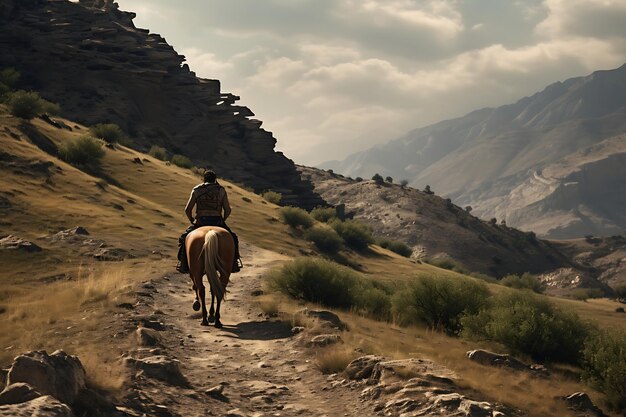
pixel 442 263
pixel 325 238
pixel 396 246
pixel 583 294
pixel 404 183
pixel 439 301
pixel 527 324
pixel 158 152
pixel 272 197
pixel 321 281
pixel 296 217
pixel 109 132
pixel 604 366
pixel 323 214
pixel 84 151
pixel 28 104
pixel 524 281
pixel 181 161
pixel 378 179
pixel 356 234
pixel 316 280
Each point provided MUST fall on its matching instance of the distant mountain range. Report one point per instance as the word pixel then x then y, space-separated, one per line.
pixel 554 163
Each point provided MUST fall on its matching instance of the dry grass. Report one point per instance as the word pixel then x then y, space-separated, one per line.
pixel 334 359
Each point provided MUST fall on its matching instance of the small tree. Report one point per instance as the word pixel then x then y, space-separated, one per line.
pixel 389 180
pixel 358 179
pixel 8 79
pixel 468 209
pixel 427 190
pixel 404 183
pixel 378 179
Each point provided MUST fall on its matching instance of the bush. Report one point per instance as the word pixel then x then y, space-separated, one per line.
pixel 28 104
pixel 604 366
pixel 389 180
pixel 321 281
pixel 315 280
pixel 524 281
pixel 323 214
pixel 583 294
pixel 396 246
pixel 442 263
pixel 356 234
pixel 84 151
pixel 358 179
pixel 158 152
pixel 325 238
pixel 296 217
pixel 181 161
pixel 272 197
pixel 529 325
pixel 439 301
pixel 109 132
pixel 378 179
pixel 404 183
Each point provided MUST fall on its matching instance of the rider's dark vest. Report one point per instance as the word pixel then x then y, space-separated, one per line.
pixel 209 199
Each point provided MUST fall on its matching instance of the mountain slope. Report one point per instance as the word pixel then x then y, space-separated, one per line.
pixel 480 158
pixel 100 68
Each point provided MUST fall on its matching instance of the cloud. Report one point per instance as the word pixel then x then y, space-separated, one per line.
pixel 343 74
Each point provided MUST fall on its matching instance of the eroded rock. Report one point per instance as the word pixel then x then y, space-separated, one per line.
pixel 580 401
pixel 324 340
pixel 12 242
pixel 60 375
pixel 159 367
pixel 19 392
pixel 148 337
pixel 46 406
pixel 361 368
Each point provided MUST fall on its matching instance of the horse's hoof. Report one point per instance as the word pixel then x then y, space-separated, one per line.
pixel 218 324
pixel 196 305
pixel 204 323
pixel 211 319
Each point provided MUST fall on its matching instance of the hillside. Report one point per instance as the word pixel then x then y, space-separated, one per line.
pixel 438 229
pixel 498 160
pixel 100 68
pixel 104 295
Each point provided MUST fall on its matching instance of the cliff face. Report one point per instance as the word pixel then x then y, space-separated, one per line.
pixel 91 59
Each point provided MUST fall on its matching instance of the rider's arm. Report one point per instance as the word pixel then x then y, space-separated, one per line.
pixel 189 208
pixel 226 206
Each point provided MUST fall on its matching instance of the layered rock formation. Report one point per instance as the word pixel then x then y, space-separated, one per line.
pixel 91 59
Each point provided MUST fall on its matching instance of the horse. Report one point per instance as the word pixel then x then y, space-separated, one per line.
pixel 210 251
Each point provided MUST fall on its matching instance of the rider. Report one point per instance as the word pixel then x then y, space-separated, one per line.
pixel 210 200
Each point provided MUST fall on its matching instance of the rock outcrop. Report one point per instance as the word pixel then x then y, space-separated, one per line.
pixel 59 374
pixel 17 243
pixel 100 68
pixel 412 387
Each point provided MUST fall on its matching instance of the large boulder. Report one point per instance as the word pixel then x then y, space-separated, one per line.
pixel 402 369
pixel 46 406
pixel 60 375
pixel 581 402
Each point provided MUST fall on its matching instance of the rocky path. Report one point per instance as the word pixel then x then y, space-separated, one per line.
pixel 253 366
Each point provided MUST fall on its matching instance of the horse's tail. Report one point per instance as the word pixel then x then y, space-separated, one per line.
pixel 213 264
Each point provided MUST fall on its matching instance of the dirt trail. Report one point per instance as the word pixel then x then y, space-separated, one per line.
pixel 255 361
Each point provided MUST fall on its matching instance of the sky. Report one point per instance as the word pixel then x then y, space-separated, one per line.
pixel 333 77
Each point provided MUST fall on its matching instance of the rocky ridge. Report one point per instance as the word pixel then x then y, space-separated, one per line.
pixel 437 228
pixel 100 68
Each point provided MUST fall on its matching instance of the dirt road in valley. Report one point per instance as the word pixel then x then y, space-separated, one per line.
pixel 253 366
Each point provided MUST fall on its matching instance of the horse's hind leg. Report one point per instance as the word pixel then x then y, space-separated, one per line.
pixel 218 323
pixel 204 312
pixel 212 309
